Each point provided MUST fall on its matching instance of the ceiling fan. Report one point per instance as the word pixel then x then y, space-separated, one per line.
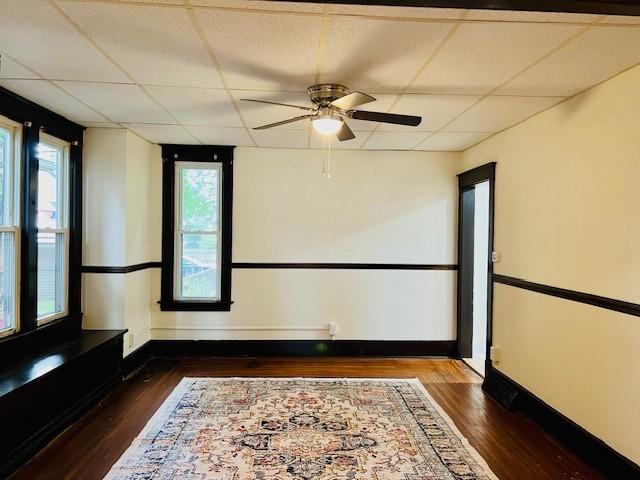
pixel 332 104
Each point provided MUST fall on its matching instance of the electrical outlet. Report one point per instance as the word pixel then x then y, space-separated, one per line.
pixel 131 341
pixel 495 257
pixel 333 329
pixel 494 354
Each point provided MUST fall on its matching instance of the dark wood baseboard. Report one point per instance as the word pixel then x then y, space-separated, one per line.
pixel 137 359
pixel 316 348
pixel 584 444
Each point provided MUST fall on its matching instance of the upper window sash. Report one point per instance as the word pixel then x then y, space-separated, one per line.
pixel 63 199
pixel 10 210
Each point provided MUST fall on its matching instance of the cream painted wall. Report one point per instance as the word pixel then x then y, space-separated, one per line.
pixel 566 215
pixel 116 231
pixel 396 207
pixel 104 157
pixel 378 207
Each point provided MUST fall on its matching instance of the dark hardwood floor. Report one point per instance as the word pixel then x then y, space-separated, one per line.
pixel 513 446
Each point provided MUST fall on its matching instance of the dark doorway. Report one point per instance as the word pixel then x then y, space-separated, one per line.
pixel 475 246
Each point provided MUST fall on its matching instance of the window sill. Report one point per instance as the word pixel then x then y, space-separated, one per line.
pixel 173 306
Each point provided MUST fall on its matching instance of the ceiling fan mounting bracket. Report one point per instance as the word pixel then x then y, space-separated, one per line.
pixel 325 93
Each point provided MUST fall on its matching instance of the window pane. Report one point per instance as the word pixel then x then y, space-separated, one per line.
pixel 50 273
pixel 199 199
pixel 7 280
pixel 5 158
pixel 49 163
pixel 198 266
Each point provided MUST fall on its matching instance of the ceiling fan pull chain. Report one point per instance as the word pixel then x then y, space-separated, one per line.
pixel 329 158
pixel 326 156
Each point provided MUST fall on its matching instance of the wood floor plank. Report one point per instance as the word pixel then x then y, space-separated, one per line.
pixel 513 446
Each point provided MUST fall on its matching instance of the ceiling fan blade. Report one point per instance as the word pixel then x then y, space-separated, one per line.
pixel 394 118
pixel 278 103
pixel 352 100
pixel 345 133
pixel 283 122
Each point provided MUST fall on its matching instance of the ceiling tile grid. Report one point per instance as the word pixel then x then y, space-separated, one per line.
pixel 177 71
pixel 155 45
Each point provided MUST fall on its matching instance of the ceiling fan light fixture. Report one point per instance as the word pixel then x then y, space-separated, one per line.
pixel 327 124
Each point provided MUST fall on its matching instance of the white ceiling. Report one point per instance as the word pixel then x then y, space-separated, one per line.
pixel 174 71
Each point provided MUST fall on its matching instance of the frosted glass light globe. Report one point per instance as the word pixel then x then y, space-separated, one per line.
pixel 327 124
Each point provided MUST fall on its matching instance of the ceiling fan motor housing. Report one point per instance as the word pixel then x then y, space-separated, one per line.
pixel 325 93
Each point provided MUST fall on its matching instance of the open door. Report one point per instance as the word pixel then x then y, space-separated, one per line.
pixel 475 267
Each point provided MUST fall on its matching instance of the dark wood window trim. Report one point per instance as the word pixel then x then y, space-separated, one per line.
pixel 36 119
pixel 195 153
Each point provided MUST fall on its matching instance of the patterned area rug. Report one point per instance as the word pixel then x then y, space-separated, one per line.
pixel 300 429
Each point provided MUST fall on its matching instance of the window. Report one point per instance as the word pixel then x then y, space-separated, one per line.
pixel 53 228
pixel 197 258
pixel 196 267
pixel 10 144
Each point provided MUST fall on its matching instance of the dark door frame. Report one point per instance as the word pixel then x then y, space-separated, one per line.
pixel 466 180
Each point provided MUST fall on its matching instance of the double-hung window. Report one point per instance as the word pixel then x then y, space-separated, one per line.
pixel 197 262
pixel 53 228
pixel 10 148
pixel 196 270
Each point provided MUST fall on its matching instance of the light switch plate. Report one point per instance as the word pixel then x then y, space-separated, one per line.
pixel 494 354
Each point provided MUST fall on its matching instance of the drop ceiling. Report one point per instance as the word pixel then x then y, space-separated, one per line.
pixel 174 71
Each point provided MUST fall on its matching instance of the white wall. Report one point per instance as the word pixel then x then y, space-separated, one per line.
pixel 378 207
pixel 567 215
pixel 116 206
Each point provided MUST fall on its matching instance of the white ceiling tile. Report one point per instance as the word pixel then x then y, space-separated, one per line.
pixel 377 55
pixel 9 68
pixel 281 138
pixel 436 110
pixel 261 5
pixel 197 106
pixel 520 16
pixel 403 12
pixel 263 51
pixel 451 141
pixel 163 133
pixel 481 56
pixel 318 141
pixel 46 94
pixel 394 140
pixel 221 136
pixel 590 58
pixel 155 45
pixel 120 103
pixel 256 114
pixel 44 41
pixel 493 114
